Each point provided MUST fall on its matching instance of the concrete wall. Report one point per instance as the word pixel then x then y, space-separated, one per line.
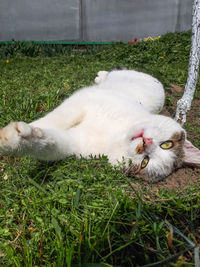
pixel 91 20
pixel 39 19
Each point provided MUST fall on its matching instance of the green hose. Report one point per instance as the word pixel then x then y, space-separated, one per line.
pixel 59 42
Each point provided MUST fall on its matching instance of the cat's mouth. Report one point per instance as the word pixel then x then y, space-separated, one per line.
pixel 146 141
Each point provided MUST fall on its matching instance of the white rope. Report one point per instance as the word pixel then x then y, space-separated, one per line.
pixel 184 104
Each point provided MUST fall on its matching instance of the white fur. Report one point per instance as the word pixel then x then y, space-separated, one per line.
pixel 100 119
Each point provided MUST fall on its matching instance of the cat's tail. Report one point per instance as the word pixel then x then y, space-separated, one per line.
pixel 118 68
pixel 192 155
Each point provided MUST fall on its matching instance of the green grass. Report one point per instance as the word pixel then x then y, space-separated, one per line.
pixel 79 211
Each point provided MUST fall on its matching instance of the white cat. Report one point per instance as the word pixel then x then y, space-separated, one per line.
pixel 115 117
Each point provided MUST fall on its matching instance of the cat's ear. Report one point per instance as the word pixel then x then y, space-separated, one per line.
pixel 192 155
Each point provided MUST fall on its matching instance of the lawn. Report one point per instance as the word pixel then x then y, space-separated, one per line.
pixel 76 212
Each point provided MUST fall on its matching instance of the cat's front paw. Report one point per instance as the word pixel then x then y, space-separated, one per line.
pixel 101 76
pixel 15 134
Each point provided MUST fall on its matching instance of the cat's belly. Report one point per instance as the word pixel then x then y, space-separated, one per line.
pixel 87 141
pixel 98 139
pixel 107 122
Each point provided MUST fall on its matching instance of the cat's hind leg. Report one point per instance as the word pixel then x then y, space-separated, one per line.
pixel 20 138
pixel 101 76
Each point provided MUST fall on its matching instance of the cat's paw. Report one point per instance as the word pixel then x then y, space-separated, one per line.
pixel 15 133
pixel 101 76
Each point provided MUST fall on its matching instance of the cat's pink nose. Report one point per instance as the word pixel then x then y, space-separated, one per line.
pixel 147 141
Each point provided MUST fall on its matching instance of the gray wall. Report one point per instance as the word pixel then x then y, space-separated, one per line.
pixel 91 20
pixel 39 20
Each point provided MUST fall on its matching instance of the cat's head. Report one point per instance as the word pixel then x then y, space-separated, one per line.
pixel 159 147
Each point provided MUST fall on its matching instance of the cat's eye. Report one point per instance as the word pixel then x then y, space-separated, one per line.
pixel 167 144
pixel 145 162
